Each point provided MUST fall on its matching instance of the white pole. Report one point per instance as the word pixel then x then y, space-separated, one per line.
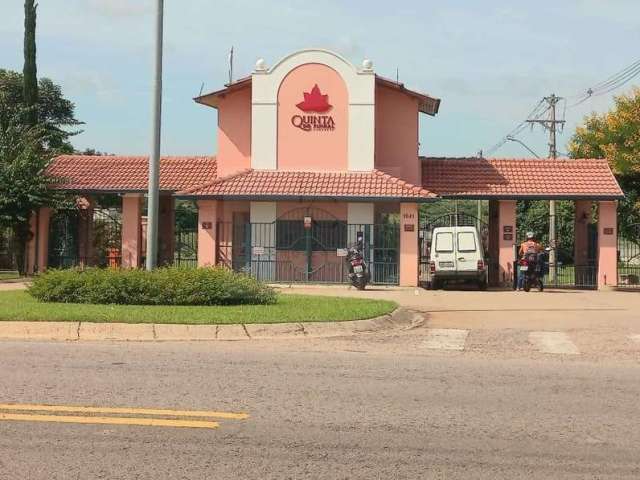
pixel 154 158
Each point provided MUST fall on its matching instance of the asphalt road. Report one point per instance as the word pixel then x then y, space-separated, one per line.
pixel 326 412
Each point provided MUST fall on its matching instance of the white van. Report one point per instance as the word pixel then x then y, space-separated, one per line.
pixel 457 255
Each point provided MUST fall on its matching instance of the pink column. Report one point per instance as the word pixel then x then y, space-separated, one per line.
pixel 207 219
pixel 607 245
pixel 131 230
pixel 409 244
pixel 43 238
pixel 30 254
pixel 506 240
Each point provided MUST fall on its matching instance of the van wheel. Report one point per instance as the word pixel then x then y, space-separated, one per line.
pixel 436 284
pixel 482 285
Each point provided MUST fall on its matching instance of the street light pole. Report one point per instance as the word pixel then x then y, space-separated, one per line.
pixel 153 197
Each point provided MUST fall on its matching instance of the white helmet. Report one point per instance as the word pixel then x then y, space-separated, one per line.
pixel 530 235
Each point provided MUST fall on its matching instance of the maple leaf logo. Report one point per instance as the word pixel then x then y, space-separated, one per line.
pixel 314 101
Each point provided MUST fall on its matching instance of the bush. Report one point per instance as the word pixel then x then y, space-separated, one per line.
pixel 164 286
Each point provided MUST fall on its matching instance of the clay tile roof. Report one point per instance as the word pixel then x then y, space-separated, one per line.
pixel 291 184
pixel 129 174
pixel 523 178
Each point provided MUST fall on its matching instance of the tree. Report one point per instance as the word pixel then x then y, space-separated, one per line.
pixel 615 135
pixel 24 184
pixel 30 70
pixel 55 114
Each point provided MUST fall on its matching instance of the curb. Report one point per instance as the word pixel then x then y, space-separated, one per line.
pixel 154 332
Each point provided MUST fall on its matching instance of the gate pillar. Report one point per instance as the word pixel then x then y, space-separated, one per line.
pixel 409 245
pixel 506 240
pixel 37 251
pixel 131 230
pixel 207 220
pixel 607 245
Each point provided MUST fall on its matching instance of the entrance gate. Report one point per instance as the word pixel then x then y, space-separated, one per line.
pixel 64 243
pixel 307 245
pixel 629 256
pixel 568 271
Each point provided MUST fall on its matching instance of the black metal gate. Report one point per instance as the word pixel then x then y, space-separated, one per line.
pixel 186 246
pixel 307 245
pixel 568 271
pixel 629 257
pixel 63 239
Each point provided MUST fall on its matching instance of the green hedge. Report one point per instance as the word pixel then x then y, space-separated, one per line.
pixel 164 286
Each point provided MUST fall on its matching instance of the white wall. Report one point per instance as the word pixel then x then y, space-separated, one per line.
pixel 262 216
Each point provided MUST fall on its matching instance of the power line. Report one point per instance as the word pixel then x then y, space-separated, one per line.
pixel 604 87
pixel 612 83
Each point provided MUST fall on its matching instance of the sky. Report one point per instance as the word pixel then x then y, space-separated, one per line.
pixel 489 61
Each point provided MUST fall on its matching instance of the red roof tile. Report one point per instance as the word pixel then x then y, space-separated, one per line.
pixel 292 184
pixel 509 178
pixel 129 174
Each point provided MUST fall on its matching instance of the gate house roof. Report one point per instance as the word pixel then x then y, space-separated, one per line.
pixel 195 176
pixel 512 178
pixel 279 184
pixel 109 173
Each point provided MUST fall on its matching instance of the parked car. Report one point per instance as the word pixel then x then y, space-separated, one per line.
pixel 456 256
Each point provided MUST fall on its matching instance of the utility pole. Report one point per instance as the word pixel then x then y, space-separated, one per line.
pixel 551 125
pixel 153 197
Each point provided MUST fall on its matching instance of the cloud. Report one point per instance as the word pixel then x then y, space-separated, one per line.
pixel 120 8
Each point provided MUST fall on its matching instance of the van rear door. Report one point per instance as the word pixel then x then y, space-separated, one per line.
pixel 467 249
pixel 444 250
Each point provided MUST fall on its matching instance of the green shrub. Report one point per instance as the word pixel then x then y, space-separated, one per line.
pixel 164 286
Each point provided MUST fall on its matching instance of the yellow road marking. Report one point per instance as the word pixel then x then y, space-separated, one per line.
pixel 123 411
pixel 147 422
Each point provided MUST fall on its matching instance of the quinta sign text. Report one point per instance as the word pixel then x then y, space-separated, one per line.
pixel 314 103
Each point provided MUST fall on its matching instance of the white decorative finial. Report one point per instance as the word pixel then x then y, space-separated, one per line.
pixel 261 65
pixel 367 65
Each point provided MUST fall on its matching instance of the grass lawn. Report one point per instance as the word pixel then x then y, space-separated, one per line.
pixel 19 305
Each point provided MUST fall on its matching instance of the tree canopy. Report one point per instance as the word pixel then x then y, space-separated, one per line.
pixel 615 135
pixel 55 114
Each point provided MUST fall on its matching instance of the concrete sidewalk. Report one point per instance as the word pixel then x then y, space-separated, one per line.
pixel 551 309
pixel 150 332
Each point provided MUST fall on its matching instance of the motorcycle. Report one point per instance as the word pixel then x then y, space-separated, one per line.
pixel 358 273
pixel 531 267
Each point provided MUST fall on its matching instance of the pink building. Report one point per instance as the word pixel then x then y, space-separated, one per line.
pixel 313 152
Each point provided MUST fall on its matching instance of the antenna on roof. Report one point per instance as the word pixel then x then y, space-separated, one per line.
pixel 397 75
pixel 201 88
pixel 231 65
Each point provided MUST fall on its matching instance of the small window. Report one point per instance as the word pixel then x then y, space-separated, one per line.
pixel 444 242
pixel 466 242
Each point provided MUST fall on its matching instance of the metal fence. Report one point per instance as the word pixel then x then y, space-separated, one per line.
pixel 629 257
pixel 288 251
pixel 186 247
